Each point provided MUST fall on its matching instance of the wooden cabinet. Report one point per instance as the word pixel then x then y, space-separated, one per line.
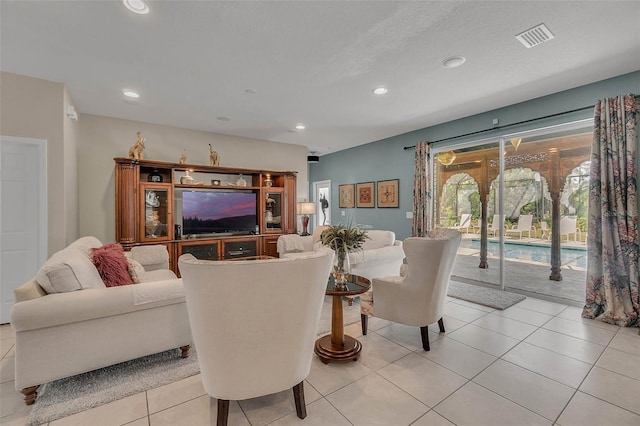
pixel 242 247
pixel 209 250
pixel 150 199
pixel 270 246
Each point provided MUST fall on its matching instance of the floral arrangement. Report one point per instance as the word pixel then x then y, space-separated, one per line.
pixel 343 239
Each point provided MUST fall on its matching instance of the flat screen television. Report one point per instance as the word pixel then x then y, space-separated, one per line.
pixel 218 212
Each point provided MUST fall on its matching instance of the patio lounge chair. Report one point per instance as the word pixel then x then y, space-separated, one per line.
pixel 465 223
pixel 495 225
pixel 546 231
pixel 524 225
pixel 568 225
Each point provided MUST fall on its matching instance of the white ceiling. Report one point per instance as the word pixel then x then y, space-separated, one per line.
pixel 314 62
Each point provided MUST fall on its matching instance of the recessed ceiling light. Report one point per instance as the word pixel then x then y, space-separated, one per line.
pixel 131 94
pixel 300 126
pixel 380 90
pixel 136 6
pixel 453 61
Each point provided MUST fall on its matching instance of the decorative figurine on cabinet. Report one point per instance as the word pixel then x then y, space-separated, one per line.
pixel 214 158
pixel 183 157
pixel 137 151
pixel 187 179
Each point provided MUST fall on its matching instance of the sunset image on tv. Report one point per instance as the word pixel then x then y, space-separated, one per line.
pixel 218 212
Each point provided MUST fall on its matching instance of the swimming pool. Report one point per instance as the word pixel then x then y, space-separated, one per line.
pixel 569 257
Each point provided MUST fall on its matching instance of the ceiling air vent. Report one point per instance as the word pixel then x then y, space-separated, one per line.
pixel 535 36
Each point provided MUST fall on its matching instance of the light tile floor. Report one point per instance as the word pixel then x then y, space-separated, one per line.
pixel 535 363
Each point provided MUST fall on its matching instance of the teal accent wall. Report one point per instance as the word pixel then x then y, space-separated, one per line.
pixel 386 158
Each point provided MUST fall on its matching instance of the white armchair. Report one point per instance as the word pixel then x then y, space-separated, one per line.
pixel 417 296
pixel 254 324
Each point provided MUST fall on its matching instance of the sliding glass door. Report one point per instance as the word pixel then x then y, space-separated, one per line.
pixel 520 202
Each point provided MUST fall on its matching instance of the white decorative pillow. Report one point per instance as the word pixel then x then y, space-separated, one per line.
pixel 136 271
pixel 68 270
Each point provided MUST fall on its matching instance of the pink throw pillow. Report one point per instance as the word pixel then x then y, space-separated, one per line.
pixel 111 264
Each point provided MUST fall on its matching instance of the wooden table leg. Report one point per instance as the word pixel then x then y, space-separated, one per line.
pixel 337 323
pixel 337 346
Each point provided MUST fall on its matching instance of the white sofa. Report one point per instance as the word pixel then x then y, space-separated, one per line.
pixel 381 253
pixel 68 322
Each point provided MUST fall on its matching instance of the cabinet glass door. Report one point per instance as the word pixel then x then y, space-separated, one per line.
pixel 273 211
pixel 157 212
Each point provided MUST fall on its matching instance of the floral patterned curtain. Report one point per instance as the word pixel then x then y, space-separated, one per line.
pixel 612 240
pixel 421 191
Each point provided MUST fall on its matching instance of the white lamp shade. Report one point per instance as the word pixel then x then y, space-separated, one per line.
pixel 306 208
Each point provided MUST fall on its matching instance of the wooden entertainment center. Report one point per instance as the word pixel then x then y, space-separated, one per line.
pixel 147 208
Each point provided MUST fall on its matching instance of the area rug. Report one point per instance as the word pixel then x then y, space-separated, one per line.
pixel 65 397
pixel 71 395
pixel 483 295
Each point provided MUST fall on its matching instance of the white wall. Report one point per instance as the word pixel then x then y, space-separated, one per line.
pixel 34 108
pixel 102 139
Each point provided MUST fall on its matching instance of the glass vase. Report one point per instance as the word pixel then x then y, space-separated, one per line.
pixel 341 269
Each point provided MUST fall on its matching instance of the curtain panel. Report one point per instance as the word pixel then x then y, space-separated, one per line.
pixel 421 191
pixel 612 240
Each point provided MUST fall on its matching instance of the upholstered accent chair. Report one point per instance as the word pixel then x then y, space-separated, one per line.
pixel 417 296
pixel 254 324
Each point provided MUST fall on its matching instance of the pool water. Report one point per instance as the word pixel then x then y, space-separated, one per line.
pixel 569 257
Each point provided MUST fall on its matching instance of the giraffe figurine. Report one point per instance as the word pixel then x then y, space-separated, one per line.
pixel 214 158
pixel 137 151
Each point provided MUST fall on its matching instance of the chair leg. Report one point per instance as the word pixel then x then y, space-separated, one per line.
pixel 441 325
pixel 424 332
pixel 298 396
pixel 223 412
pixel 364 320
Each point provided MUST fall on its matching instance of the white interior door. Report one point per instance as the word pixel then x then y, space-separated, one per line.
pixel 23 213
pixel 322 198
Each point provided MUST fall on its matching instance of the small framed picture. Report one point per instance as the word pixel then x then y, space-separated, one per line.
pixel 347 198
pixel 388 195
pixel 365 194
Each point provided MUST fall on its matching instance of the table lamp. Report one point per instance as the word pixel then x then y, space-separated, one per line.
pixel 305 209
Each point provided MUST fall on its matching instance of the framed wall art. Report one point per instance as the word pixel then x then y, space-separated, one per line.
pixel 365 195
pixel 388 195
pixel 347 198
